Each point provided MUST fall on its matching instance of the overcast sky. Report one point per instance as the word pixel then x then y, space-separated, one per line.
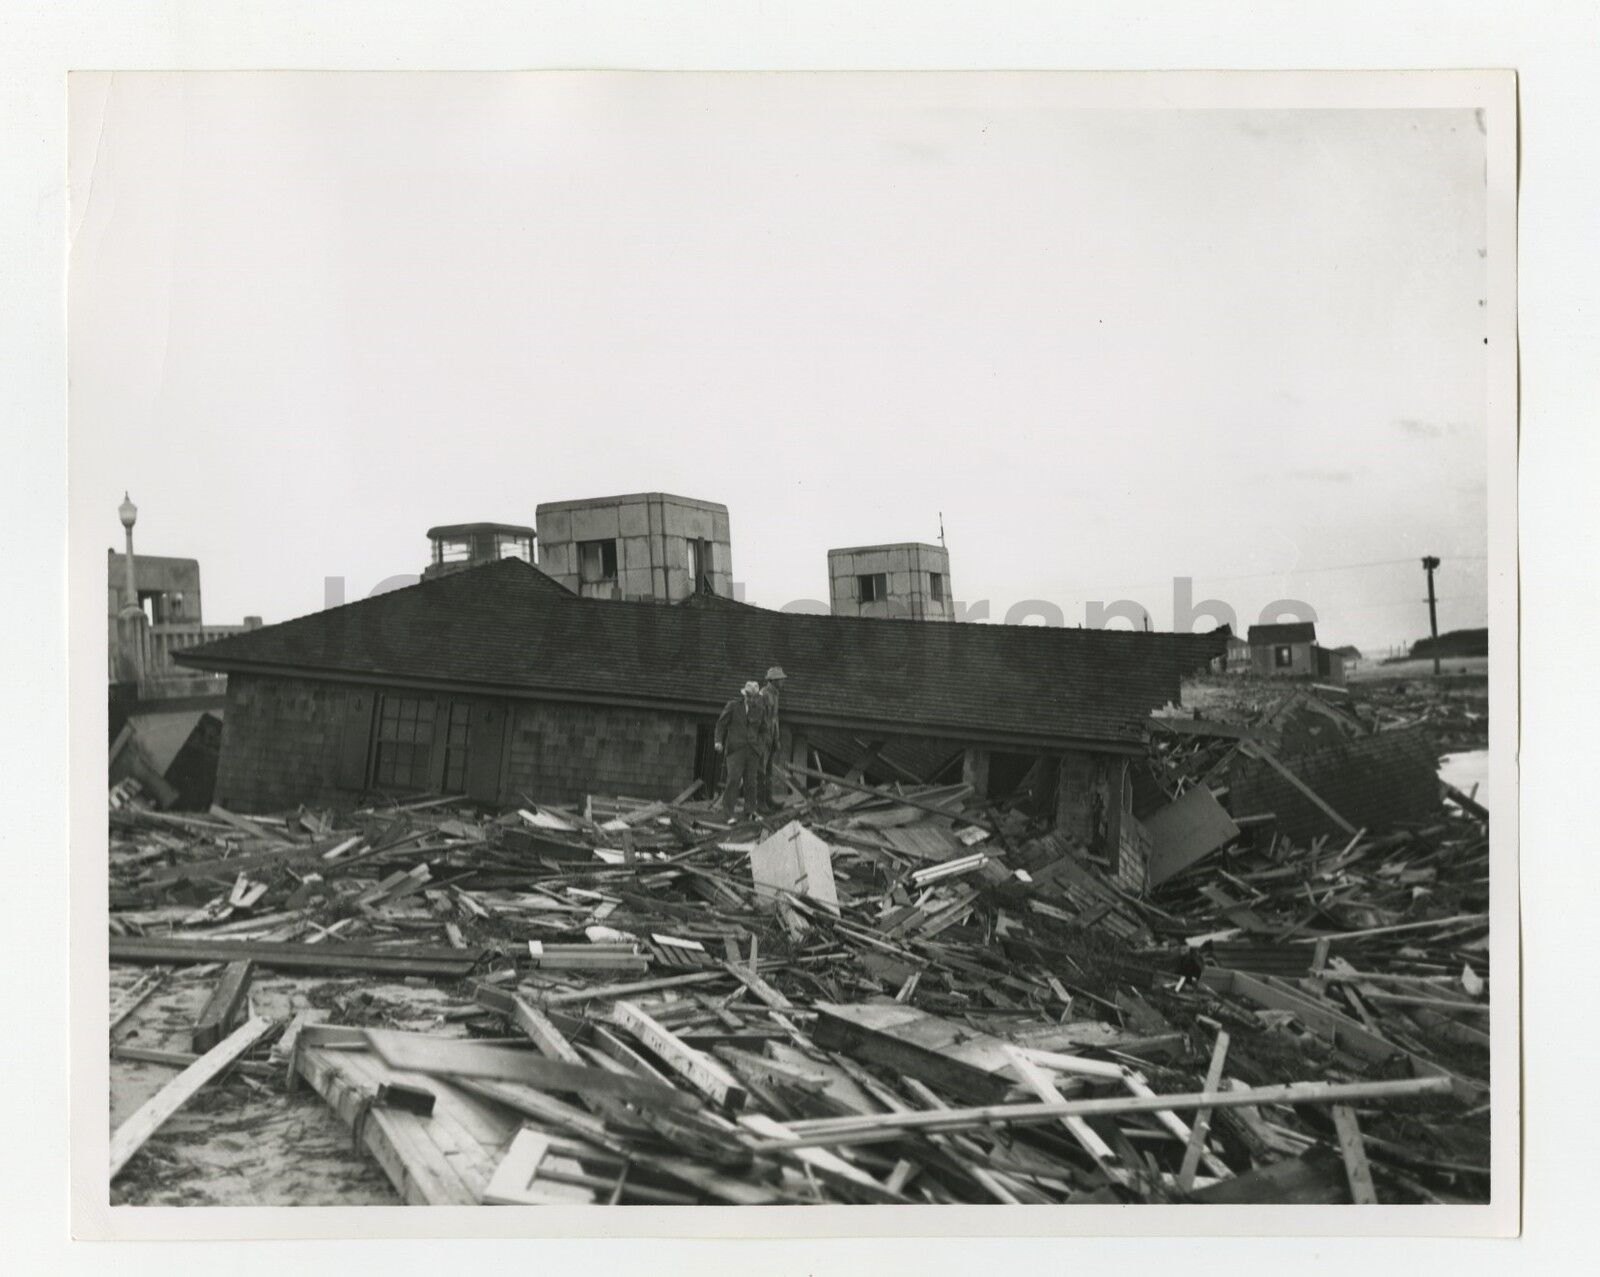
pixel 313 315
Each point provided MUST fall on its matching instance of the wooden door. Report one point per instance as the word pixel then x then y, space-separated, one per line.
pixel 486 754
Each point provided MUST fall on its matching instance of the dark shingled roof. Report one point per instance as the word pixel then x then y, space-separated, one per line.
pixel 1288 632
pixel 507 626
pixel 1374 782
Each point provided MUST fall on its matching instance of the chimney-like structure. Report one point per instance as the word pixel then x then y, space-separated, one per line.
pixel 909 580
pixel 648 546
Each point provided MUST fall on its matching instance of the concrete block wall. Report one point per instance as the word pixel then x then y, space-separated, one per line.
pixel 651 531
pixel 906 567
pixel 559 753
pixel 281 741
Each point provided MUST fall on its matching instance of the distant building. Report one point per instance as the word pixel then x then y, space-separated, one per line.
pixel 907 580
pixel 165 722
pixel 167 591
pixel 1290 650
pixel 648 547
pixel 1237 659
pixel 466 545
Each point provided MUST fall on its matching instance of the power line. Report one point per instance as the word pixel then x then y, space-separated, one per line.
pixel 1282 572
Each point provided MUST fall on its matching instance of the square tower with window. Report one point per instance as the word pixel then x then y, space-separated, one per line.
pixel 909 580
pixel 649 546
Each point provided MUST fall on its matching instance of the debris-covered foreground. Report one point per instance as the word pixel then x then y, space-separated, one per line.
pixel 871 996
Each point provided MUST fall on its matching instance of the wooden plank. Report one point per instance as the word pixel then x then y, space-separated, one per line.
pixel 416 1167
pixel 462 1132
pixel 1202 1119
pixel 230 867
pixel 825 1165
pixel 748 977
pixel 1354 1152
pixel 602 991
pixel 132 1134
pixel 223 1007
pixel 515 1179
pixel 1039 1082
pixel 447 1057
pixel 891 1126
pixel 940 1052
pixel 888 795
pixel 1137 1085
pixel 699 1069
pixel 1345 1033
pixel 281 955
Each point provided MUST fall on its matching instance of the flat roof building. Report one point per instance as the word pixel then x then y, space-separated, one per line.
pixel 907 580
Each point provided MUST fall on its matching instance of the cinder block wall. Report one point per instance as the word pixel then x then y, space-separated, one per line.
pixel 281 739
pixel 559 753
pixel 905 568
pixel 651 531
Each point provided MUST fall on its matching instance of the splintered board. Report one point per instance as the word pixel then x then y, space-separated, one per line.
pixel 420 1053
pixel 939 1052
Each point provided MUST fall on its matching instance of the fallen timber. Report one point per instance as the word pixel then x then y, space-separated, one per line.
pixel 948 1000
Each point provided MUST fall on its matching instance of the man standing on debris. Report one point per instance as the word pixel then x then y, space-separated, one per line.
pixel 741 735
pixel 770 692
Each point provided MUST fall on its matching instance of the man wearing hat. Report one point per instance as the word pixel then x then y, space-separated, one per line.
pixel 741 736
pixel 769 696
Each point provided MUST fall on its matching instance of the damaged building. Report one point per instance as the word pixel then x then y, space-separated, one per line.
pixel 498 682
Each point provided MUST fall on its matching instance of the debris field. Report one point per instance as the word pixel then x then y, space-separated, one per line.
pixel 1272 987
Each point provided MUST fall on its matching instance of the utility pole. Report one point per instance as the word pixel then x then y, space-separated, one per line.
pixel 1429 563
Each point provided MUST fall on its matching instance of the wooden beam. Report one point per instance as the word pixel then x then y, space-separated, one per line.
pixel 283 955
pixel 1354 1152
pixel 891 1126
pixel 459 1057
pixel 697 1068
pixel 1345 1033
pixel 1040 1084
pixel 223 1007
pixel 889 795
pixel 1202 1119
pixel 154 1112
pixel 919 1045
pixel 595 992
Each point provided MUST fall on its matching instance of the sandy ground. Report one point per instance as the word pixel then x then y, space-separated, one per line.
pixel 1469 772
pixel 1374 671
pixel 245 1141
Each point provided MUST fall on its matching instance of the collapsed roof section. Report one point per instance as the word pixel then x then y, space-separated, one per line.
pixel 507 627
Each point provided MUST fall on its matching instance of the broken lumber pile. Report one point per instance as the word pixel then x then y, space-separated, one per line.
pixel 874 995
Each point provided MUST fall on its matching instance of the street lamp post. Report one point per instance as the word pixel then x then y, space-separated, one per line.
pixel 130 617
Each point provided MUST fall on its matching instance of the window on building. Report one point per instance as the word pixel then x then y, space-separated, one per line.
pixel 1283 656
pixel 597 561
pixel 936 586
pixel 509 546
pixel 696 564
pixel 872 587
pixel 455 748
pixel 404 745
pixel 452 550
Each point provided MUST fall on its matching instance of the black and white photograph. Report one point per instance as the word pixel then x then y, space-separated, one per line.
pixel 779 640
